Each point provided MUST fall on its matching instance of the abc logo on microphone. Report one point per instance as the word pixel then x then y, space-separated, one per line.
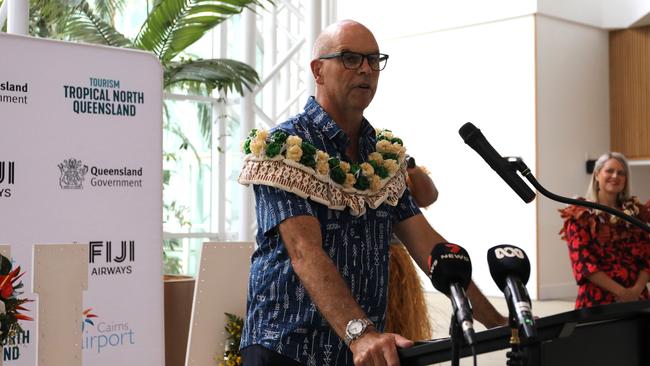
pixel 508 252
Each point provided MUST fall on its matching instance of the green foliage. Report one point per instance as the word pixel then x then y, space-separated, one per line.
pixel 171 265
pixel 234 326
pixel 84 25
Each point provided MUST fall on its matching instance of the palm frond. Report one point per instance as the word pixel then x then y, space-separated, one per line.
pixel 173 25
pixel 224 75
pixel 107 9
pixel 47 18
pixel 85 26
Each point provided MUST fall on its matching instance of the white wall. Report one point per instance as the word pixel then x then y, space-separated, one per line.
pixel 640 182
pixel 607 14
pixel 390 19
pixel 572 124
pixel 435 82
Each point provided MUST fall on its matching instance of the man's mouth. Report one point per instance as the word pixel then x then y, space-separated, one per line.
pixel 363 86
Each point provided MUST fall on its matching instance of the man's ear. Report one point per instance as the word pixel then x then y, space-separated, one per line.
pixel 315 66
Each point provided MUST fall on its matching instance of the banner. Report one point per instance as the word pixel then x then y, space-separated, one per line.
pixel 81 162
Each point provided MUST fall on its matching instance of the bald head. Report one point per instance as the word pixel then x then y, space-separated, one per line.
pixel 333 36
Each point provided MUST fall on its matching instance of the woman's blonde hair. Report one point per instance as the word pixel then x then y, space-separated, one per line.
pixel 592 190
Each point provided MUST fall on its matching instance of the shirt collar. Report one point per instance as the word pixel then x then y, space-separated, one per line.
pixel 322 121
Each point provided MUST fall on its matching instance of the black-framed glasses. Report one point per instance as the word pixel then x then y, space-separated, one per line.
pixel 354 60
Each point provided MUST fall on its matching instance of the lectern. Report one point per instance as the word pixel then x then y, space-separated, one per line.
pixel 616 334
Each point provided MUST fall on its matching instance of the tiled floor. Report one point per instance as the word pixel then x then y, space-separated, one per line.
pixel 440 313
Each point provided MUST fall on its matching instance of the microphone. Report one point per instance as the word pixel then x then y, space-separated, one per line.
pixel 475 139
pixel 510 270
pixel 450 271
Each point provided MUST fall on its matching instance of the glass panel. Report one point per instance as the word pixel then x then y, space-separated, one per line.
pixel 182 255
pixel 187 165
pixel 233 168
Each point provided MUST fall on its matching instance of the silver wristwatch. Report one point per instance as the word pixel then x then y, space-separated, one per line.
pixel 355 329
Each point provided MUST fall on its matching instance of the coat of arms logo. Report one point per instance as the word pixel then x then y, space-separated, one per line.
pixel 72 174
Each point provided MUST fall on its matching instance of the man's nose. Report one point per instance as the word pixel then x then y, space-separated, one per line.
pixel 365 66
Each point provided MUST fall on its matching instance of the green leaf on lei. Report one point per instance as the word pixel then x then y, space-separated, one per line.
pixel 354 169
pixel 362 183
pixel 337 174
pixel 308 149
pixel 247 146
pixel 381 172
pixel 279 136
pixel 333 163
pixel 387 156
pixel 273 149
pixel 308 160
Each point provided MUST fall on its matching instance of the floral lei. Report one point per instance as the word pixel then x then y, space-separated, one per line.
pixel 270 157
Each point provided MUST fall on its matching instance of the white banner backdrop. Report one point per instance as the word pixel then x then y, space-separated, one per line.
pixel 80 161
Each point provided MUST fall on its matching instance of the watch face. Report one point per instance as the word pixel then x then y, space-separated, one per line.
pixel 356 327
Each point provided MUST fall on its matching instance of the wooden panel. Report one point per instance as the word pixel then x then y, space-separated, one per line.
pixel 221 286
pixel 629 70
pixel 60 278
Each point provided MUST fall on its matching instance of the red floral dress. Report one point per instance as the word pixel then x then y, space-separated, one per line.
pixel 601 242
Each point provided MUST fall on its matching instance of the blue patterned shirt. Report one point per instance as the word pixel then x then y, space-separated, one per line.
pixel 280 313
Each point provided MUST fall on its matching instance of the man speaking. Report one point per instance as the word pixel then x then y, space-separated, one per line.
pixel 330 192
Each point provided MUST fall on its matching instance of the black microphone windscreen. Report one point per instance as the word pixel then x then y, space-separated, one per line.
pixel 467 130
pixel 475 139
pixel 449 263
pixel 508 260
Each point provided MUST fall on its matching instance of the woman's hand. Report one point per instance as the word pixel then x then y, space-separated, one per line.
pixel 629 294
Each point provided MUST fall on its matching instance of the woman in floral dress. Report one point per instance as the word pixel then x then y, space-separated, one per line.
pixel 610 257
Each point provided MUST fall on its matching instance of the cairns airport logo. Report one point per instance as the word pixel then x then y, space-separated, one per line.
pixel 74 173
pixel 108 258
pixel 100 335
pixel 7 178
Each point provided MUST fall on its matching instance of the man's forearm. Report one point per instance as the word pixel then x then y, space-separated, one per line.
pixel 483 309
pixel 315 269
pixel 327 289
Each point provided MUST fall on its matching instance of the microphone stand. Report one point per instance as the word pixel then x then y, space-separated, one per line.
pixel 456 338
pixel 515 357
pixel 516 163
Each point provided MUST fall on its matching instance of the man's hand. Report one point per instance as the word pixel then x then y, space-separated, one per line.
pixel 378 349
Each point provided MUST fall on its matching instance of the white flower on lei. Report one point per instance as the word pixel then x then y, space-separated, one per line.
pixel 322 167
pixel 257 147
pixel 261 135
pixel 349 180
pixel 367 169
pixel 294 140
pixel 345 166
pixel 322 156
pixel 375 156
pixel 391 165
pixel 294 152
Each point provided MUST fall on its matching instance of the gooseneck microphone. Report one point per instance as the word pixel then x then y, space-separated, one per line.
pixel 475 139
pixel 450 271
pixel 510 270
